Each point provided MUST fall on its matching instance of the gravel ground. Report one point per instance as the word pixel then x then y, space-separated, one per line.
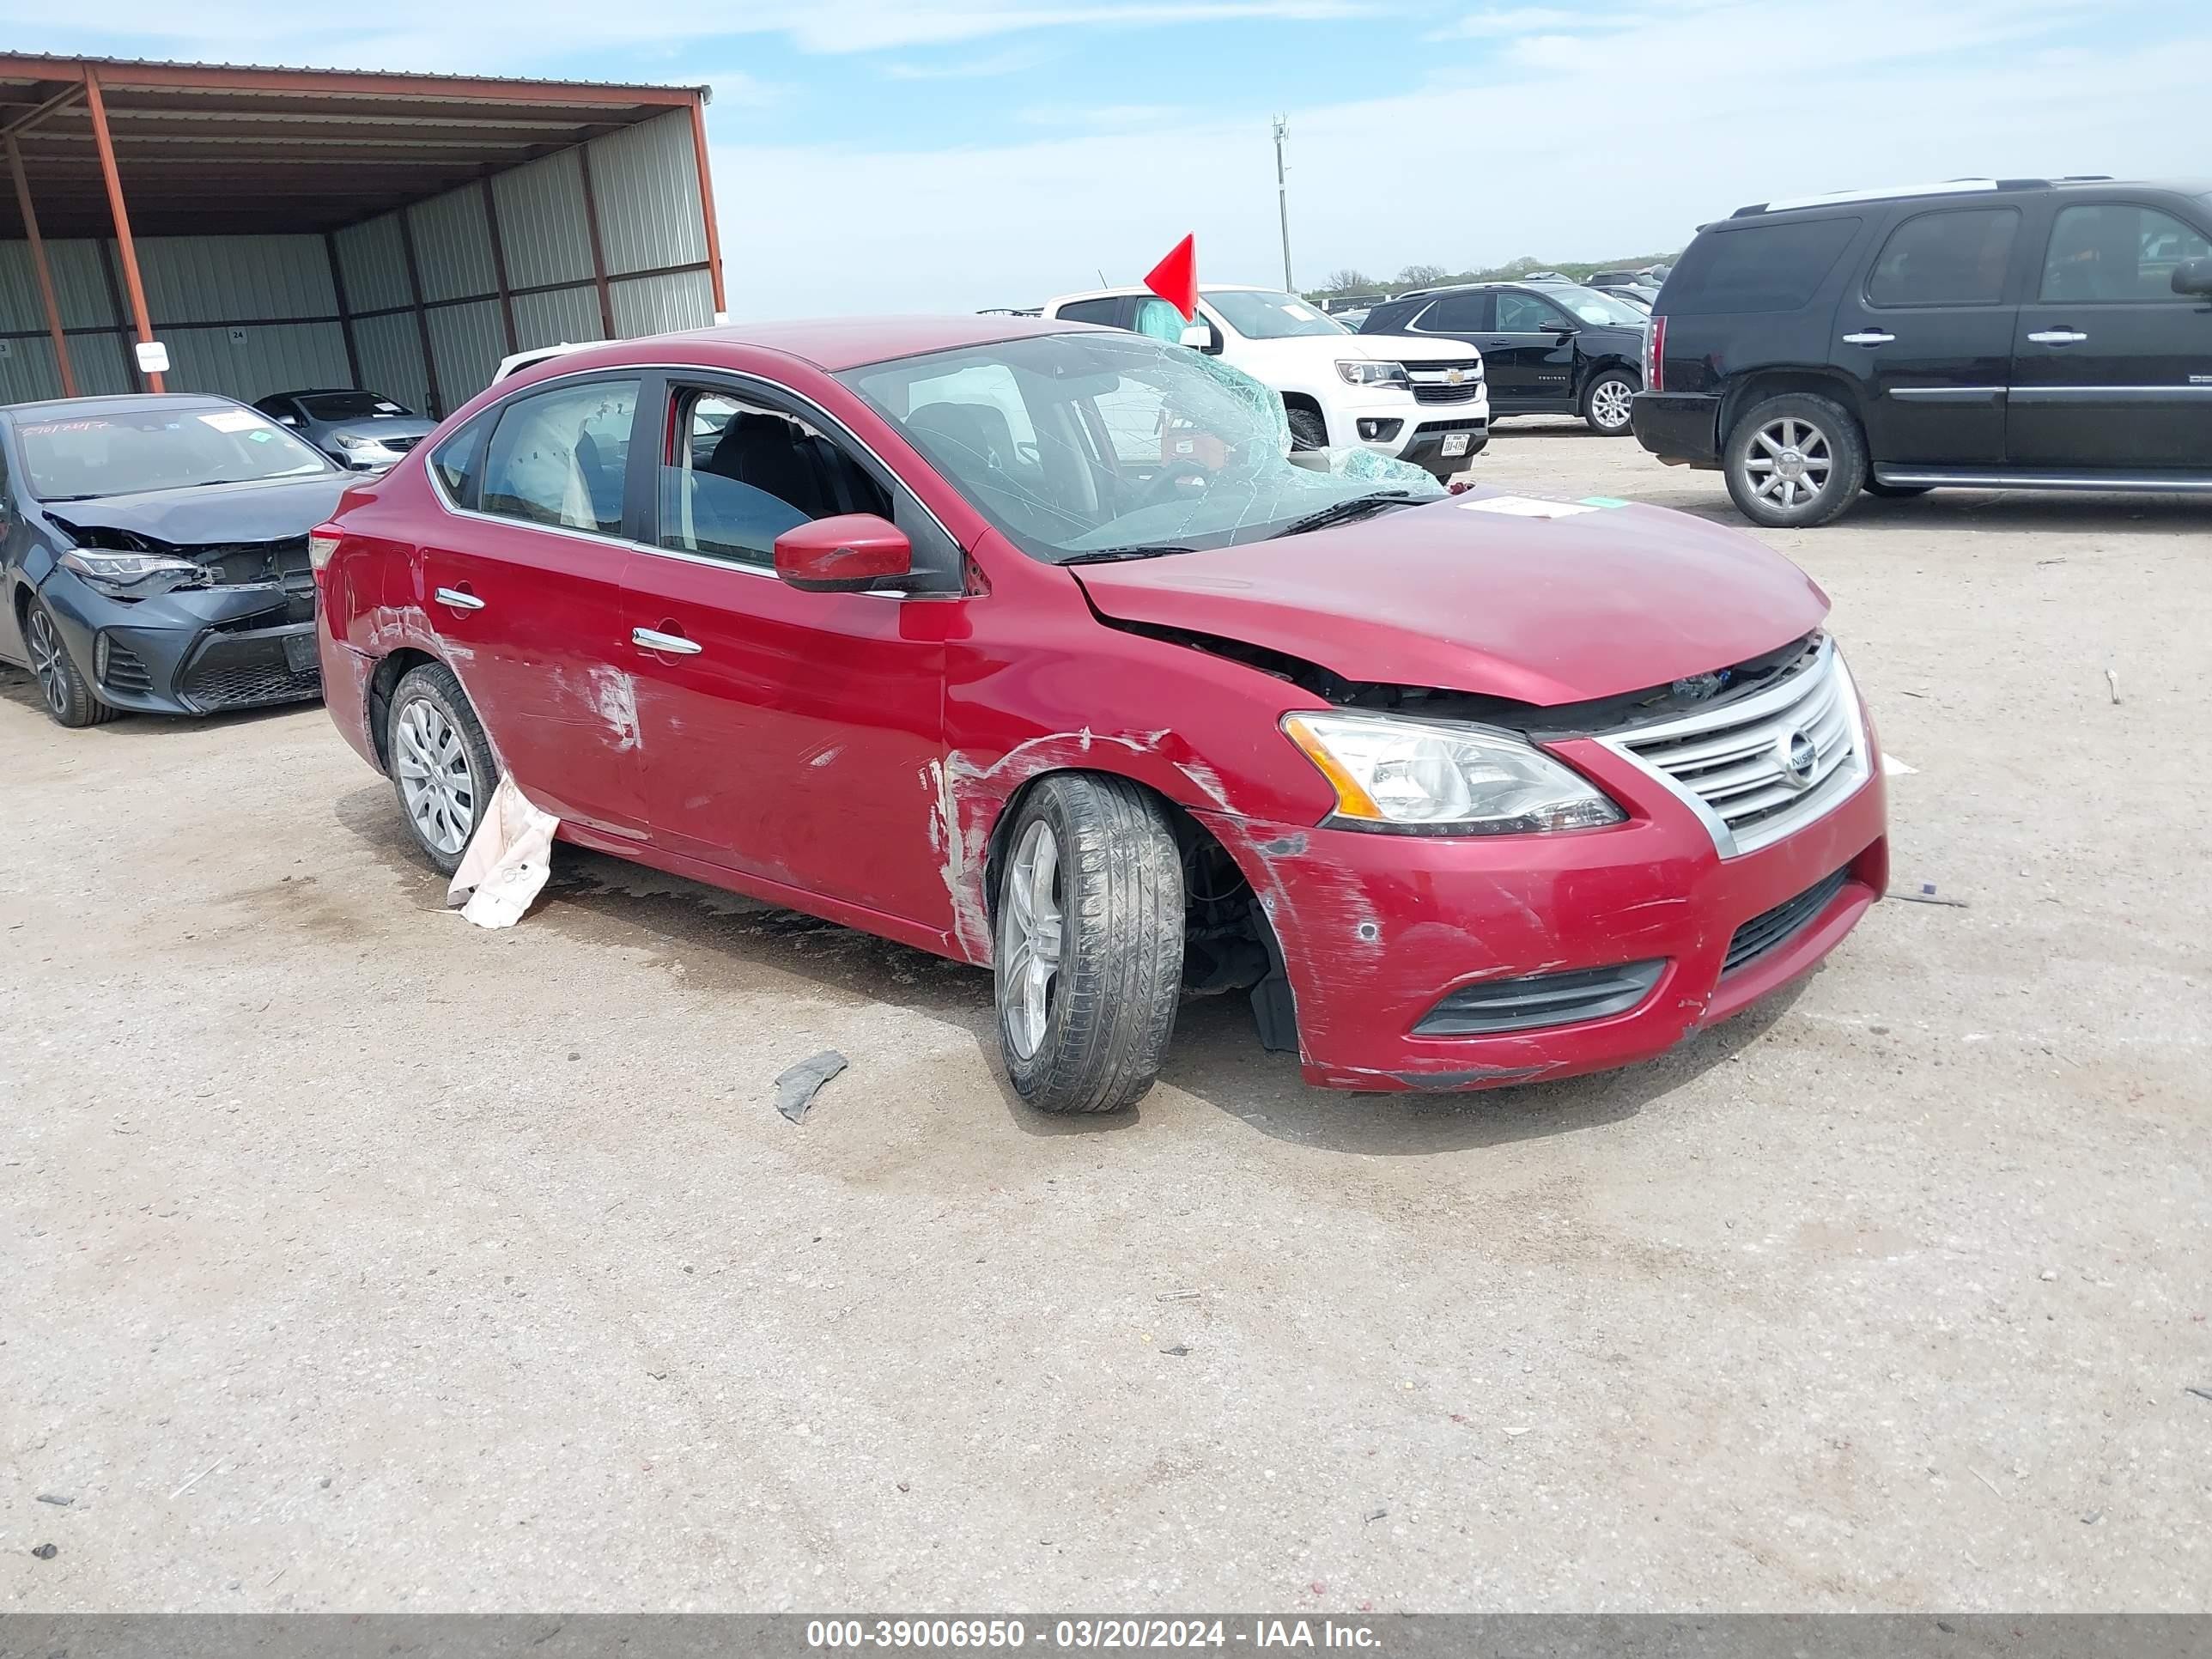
pixel 358 1259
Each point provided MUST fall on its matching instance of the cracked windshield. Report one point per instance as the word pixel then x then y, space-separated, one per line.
pixel 1082 447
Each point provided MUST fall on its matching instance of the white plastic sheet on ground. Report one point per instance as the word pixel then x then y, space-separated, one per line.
pixel 504 864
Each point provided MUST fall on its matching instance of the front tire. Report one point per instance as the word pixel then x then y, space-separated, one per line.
pixel 1089 944
pixel 440 762
pixel 61 686
pixel 1606 402
pixel 1308 429
pixel 1795 461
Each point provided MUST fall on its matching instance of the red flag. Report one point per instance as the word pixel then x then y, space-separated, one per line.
pixel 1175 279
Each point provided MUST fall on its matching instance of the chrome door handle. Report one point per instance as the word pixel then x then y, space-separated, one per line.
pixel 458 600
pixel 652 638
pixel 1868 337
pixel 2058 336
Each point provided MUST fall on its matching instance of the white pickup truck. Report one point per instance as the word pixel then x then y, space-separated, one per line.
pixel 1422 401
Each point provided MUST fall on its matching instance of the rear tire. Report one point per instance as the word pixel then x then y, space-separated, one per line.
pixel 67 694
pixel 1795 461
pixel 1606 402
pixel 442 764
pixel 1089 932
pixel 1890 492
pixel 1308 430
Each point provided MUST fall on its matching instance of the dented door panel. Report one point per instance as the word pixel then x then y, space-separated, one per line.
pixel 793 745
pixel 530 620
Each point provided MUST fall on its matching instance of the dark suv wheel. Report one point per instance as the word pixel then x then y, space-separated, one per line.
pixel 1795 461
pixel 1606 402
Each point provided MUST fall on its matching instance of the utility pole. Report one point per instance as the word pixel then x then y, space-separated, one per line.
pixel 1283 202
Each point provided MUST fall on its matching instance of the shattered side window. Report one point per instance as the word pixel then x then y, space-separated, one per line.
pixel 1085 444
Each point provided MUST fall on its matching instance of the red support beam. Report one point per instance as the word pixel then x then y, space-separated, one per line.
pixel 706 204
pixel 122 217
pixel 39 264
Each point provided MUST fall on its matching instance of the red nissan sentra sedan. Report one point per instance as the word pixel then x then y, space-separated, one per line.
pixel 1030 645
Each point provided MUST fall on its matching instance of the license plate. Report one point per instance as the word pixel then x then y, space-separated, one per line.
pixel 300 654
pixel 1456 443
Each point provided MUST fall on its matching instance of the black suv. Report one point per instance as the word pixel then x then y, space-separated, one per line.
pixel 2020 333
pixel 1547 348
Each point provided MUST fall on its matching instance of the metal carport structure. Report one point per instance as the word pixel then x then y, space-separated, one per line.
pixel 280 228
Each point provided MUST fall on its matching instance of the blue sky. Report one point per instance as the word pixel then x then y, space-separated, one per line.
pixel 906 155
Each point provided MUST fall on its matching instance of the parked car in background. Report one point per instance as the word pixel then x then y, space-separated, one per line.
pixel 1638 293
pixel 1418 400
pixel 1547 348
pixel 363 430
pixel 153 554
pixel 1025 644
pixel 1352 316
pixel 2017 334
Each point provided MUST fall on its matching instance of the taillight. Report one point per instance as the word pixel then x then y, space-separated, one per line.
pixel 1655 356
pixel 320 546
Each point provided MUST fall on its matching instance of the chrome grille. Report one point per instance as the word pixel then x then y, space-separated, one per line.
pixel 1432 382
pixel 1730 763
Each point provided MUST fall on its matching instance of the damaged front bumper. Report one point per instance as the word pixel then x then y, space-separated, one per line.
pixel 1619 942
pixel 192 651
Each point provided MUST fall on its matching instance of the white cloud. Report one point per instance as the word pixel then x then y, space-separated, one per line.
pixel 1524 20
pixel 1893 90
pixel 1016 61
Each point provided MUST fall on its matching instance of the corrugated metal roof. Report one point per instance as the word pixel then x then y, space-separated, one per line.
pixel 327 68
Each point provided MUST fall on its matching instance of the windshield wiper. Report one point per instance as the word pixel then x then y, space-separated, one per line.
pixel 1359 506
pixel 1114 555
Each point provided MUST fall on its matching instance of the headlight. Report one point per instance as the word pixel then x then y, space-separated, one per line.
pixel 1366 373
pixel 1416 777
pixel 131 575
pixel 347 440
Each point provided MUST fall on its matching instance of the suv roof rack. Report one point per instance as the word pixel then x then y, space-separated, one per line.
pixel 1887 192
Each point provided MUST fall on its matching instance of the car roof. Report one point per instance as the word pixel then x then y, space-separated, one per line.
pixel 2069 183
pixel 830 344
pixel 61 409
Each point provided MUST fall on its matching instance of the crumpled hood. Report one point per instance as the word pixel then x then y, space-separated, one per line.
pixel 274 509
pixel 1540 610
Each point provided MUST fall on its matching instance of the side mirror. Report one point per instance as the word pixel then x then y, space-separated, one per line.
pixel 2193 277
pixel 1198 335
pixel 848 554
pixel 288 420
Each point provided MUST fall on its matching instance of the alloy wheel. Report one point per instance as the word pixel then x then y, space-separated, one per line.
pixel 1610 404
pixel 48 666
pixel 1789 462
pixel 1030 937
pixel 434 781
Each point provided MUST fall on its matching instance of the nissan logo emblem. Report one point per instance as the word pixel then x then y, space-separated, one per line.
pixel 1798 759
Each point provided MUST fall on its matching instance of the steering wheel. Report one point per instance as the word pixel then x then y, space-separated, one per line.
pixel 1161 487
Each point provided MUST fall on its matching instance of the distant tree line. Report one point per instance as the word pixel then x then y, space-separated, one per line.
pixel 1350 280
